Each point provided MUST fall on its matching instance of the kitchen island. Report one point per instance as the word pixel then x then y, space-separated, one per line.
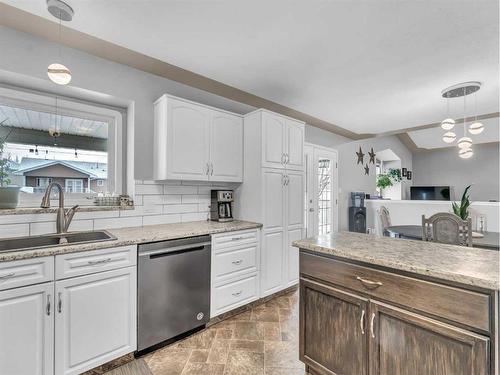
pixel 389 306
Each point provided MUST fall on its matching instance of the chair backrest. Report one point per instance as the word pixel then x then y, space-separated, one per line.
pixel 384 218
pixel 447 228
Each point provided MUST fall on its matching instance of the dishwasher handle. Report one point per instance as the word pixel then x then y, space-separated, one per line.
pixel 174 250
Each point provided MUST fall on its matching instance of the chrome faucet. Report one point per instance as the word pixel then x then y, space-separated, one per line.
pixel 63 217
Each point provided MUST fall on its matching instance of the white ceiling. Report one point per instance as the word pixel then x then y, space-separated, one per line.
pixel 432 138
pixel 367 66
pixel 29 119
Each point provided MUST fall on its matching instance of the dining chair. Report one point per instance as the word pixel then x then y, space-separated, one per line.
pixel 448 228
pixel 384 219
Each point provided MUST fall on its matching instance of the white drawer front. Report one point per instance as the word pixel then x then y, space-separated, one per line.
pixel 229 296
pixel 232 239
pixel 26 272
pixel 84 263
pixel 234 262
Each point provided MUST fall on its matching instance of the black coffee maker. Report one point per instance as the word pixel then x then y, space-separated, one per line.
pixel 221 205
pixel 357 213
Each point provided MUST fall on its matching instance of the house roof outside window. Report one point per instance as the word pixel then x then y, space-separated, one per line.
pixel 92 169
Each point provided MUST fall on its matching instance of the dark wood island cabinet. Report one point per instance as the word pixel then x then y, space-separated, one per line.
pixel 362 314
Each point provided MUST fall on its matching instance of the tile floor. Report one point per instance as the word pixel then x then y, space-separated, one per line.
pixel 263 341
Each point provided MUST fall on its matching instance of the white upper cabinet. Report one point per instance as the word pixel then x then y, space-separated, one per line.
pixel 196 142
pixel 273 140
pixel 294 145
pixel 226 147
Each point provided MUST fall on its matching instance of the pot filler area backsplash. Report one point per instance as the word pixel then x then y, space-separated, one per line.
pixel 155 203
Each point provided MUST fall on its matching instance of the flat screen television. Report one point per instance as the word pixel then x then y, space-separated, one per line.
pixel 430 193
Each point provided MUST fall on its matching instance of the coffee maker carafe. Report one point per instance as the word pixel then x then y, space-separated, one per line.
pixel 221 205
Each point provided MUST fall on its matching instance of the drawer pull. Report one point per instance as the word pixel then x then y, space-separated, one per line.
pixel 237 262
pixel 372 320
pixel 47 310
pixel 236 238
pixel 95 262
pixel 7 276
pixel 362 322
pixel 237 294
pixel 59 302
pixel 369 283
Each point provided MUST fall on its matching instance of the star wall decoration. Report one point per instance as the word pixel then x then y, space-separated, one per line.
pixel 360 156
pixel 367 169
pixel 372 156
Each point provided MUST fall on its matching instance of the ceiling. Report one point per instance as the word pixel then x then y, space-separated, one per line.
pixel 367 66
pixel 29 119
pixel 432 138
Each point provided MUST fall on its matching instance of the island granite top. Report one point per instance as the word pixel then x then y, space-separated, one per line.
pixel 469 266
pixel 136 235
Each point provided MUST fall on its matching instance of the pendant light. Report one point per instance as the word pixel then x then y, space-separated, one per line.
pixel 449 137
pixel 465 153
pixel 448 123
pixel 476 127
pixel 57 72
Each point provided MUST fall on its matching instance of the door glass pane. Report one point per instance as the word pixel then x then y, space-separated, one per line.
pixel 324 196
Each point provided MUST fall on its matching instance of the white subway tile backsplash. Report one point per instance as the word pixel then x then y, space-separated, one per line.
pixel 180 189
pixel 148 189
pixel 77 225
pixel 142 211
pixel 28 218
pixel 14 230
pixel 119 222
pixel 161 199
pixel 180 208
pixel 95 215
pixel 161 219
pixel 197 216
pixel 37 229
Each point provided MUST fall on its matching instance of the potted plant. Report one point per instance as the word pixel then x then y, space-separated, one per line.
pixel 9 194
pixel 383 181
pixel 462 210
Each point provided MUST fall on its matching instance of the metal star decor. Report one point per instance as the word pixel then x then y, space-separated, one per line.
pixel 372 156
pixel 367 169
pixel 360 156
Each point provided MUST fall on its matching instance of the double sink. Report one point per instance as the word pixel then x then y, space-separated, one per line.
pixel 53 240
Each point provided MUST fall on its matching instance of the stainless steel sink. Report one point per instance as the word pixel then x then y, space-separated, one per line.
pixel 52 240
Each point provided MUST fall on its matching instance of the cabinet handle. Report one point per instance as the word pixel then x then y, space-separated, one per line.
pixel 369 283
pixel 7 276
pixel 362 322
pixel 372 320
pixel 236 238
pixel 211 169
pixel 208 169
pixel 48 305
pixel 287 180
pixel 237 294
pixel 59 302
pixel 283 158
pixel 95 262
pixel 287 158
pixel 237 262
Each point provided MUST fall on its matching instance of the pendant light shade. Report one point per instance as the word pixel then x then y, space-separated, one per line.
pixel 447 124
pixel 464 143
pixel 449 137
pixel 465 153
pixel 476 128
pixel 59 74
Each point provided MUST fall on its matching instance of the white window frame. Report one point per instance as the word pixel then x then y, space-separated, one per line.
pixel 120 179
pixel 100 183
pixel 73 181
pixel 47 179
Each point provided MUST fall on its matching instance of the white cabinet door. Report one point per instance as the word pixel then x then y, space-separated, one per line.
pixel 272 263
pixel 188 128
pixel 274 199
pixel 295 199
pixel 273 140
pixel 292 256
pixel 27 330
pixel 95 319
pixel 294 145
pixel 226 147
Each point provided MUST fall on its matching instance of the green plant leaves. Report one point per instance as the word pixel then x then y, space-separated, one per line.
pixel 462 210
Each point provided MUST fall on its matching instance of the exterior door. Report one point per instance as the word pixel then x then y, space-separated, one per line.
pixel 95 319
pixel 272 262
pixel 273 140
pixel 27 330
pixel 406 343
pixel 295 145
pixel 226 145
pixel 334 323
pixel 188 128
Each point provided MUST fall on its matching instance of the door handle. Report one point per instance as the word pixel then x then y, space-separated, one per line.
pixel 59 302
pixel 369 283
pixel 48 305
pixel 362 322
pixel 311 210
pixel 372 321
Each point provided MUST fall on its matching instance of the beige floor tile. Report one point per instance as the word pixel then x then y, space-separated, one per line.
pixel 265 314
pixel 282 354
pixel 170 362
pixel 242 362
pixel 248 331
pixel 284 371
pixel 199 355
pixel 203 369
pixel 256 346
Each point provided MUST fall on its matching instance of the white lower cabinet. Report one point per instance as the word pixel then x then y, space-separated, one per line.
pixel 272 262
pixel 292 257
pixel 95 319
pixel 27 330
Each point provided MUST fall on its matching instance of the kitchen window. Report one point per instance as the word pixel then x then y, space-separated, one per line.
pixel 74 186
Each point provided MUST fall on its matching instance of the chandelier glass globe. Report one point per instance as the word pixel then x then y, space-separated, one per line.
pixel 449 137
pixel 59 74
pixel 465 153
pixel 476 128
pixel 464 142
pixel 447 124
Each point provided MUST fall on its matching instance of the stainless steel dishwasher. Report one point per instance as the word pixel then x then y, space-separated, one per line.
pixel 173 289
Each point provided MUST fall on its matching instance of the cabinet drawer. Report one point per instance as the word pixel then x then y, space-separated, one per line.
pixel 229 296
pixel 26 272
pixel 233 239
pixel 458 305
pixel 83 263
pixel 234 262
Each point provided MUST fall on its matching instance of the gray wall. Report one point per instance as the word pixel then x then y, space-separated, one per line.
pixel 352 176
pixel 324 138
pixel 445 167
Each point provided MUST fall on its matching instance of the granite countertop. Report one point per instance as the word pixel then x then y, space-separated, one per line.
pixel 136 235
pixel 469 266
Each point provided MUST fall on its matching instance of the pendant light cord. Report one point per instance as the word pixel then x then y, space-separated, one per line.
pixel 465 115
